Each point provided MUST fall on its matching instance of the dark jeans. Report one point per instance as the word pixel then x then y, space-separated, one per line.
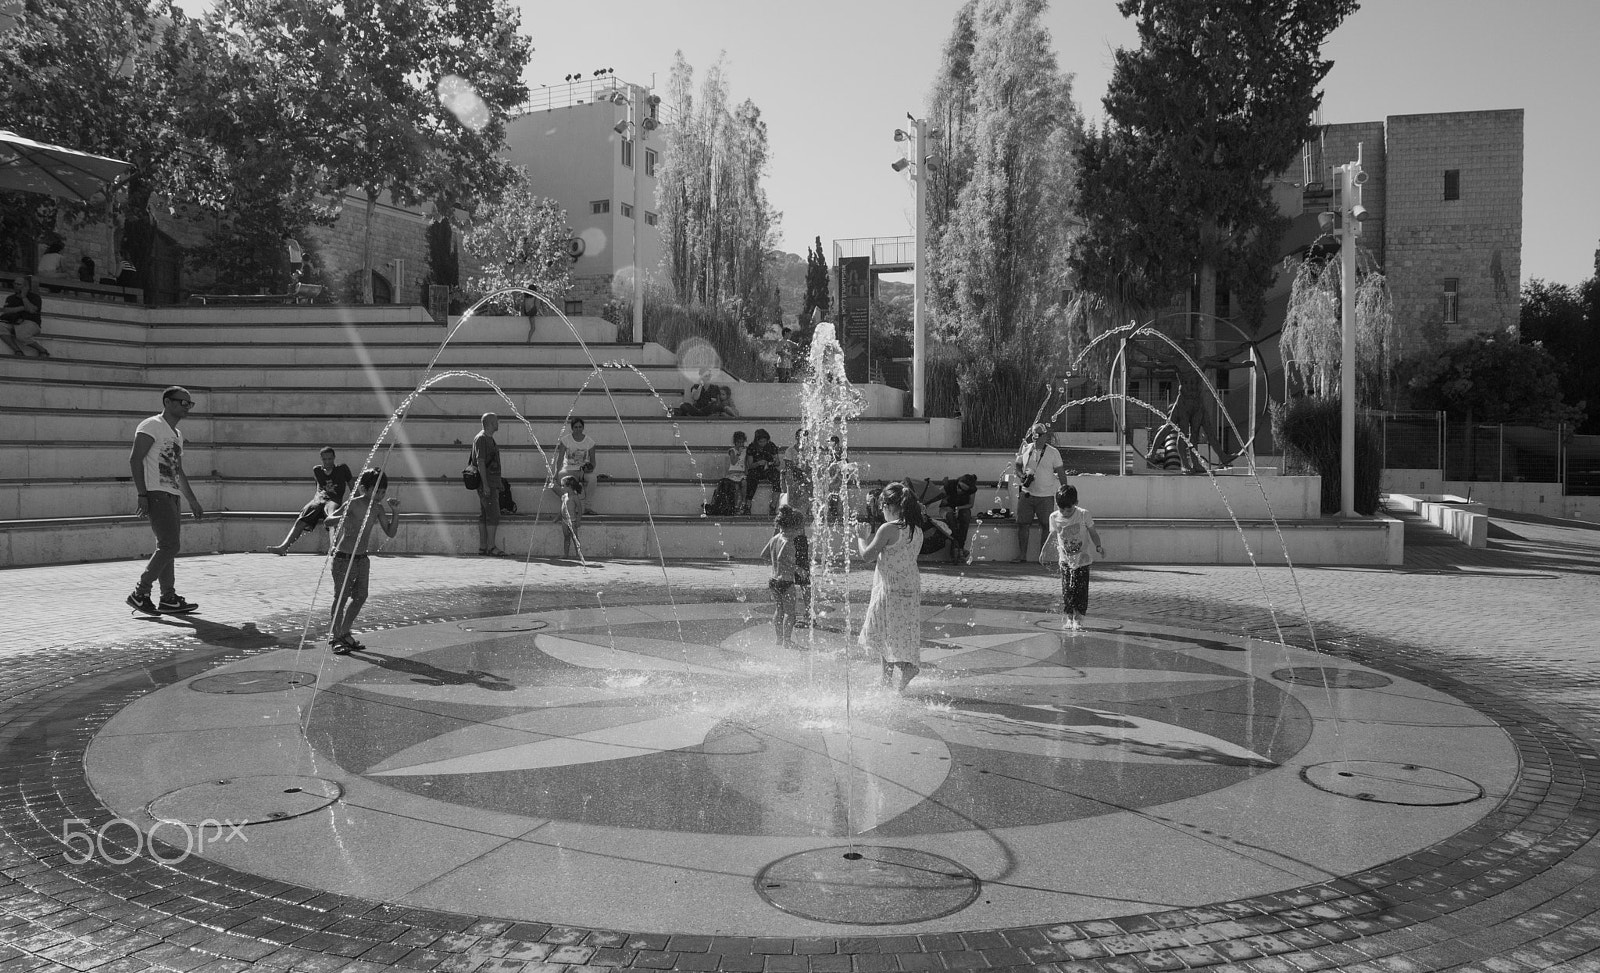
pixel 166 520
pixel 1075 589
pixel 754 478
pixel 489 503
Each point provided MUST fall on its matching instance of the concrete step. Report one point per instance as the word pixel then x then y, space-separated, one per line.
pixel 1288 499
pixel 335 349
pixel 293 326
pixel 1374 541
pixel 652 456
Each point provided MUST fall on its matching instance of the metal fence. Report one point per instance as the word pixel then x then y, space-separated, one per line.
pixel 1490 452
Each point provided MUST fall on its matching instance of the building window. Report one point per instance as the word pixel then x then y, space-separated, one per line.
pixel 649 162
pixel 600 206
pixel 650 218
pixel 627 152
pixel 1164 391
pixel 572 307
pixel 1452 184
pixel 1450 299
pixel 1134 389
pixel 627 210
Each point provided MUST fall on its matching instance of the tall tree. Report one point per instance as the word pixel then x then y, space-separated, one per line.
pixel 718 229
pixel 1215 100
pixel 818 294
pixel 998 243
pixel 407 98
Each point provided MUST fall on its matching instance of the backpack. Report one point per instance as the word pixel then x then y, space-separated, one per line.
pixel 724 501
pixel 507 504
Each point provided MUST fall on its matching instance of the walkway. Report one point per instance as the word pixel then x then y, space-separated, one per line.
pixel 1508 630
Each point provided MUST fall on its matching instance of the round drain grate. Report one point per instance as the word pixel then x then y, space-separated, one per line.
pixel 245 800
pixel 513 624
pixel 1390 783
pixel 867 885
pixel 1332 678
pixel 256 681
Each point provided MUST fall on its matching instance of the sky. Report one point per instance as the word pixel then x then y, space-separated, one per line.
pixel 835 78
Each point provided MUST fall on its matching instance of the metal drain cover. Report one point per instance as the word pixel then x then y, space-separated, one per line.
pixel 1332 678
pixel 254 681
pixel 868 885
pixel 512 624
pixel 245 800
pixel 1391 783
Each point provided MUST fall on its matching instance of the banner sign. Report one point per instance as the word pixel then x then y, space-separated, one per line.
pixel 855 299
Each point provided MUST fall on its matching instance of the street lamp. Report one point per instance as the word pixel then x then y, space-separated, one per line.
pixel 637 128
pixel 1352 214
pixel 919 165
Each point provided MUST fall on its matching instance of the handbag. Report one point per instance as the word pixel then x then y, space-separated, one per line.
pixel 469 476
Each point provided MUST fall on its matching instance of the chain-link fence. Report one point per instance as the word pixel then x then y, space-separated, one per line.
pixel 1490 452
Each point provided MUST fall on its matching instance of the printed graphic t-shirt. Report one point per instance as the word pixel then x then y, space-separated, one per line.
pixel 161 463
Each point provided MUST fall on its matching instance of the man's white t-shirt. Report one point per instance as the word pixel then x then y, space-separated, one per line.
pixel 1042 464
pixel 162 462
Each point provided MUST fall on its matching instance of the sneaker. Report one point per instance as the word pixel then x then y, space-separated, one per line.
pixel 176 605
pixel 142 603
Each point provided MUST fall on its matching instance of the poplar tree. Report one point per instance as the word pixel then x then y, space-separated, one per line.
pixel 1003 210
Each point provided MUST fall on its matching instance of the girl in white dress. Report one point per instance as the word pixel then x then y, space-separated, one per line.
pixel 893 624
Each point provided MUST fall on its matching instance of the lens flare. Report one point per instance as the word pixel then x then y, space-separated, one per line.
pixel 461 99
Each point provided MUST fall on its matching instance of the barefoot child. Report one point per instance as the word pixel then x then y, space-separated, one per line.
pixel 893 624
pixel 781 553
pixel 352 525
pixel 1073 528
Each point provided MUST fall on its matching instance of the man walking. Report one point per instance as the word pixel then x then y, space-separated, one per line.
pixel 157 465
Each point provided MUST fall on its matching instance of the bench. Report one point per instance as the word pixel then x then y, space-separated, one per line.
pixel 73 287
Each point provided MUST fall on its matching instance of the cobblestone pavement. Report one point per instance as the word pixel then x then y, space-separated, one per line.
pixel 1510 630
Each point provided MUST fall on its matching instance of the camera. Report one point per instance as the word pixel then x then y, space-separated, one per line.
pixel 1027 481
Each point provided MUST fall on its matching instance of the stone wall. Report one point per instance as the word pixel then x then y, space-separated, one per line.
pixel 1475 240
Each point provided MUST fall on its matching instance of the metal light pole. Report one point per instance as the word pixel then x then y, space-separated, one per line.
pixel 1351 214
pixel 919 287
pixel 636 132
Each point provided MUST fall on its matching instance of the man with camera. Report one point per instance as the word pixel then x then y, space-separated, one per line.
pixel 1038 469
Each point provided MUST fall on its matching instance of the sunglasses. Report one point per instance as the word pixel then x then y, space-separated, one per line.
pixel 186 403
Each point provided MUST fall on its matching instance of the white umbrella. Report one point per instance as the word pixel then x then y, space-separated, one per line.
pixel 39 167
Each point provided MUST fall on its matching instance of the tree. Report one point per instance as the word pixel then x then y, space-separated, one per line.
pixel 521 241
pixel 819 294
pixel 998 242
pixel 1566 322
pixel 1492 378
pixel 718 229
pixel 1216 100
pixel 98 75
pixel 400 97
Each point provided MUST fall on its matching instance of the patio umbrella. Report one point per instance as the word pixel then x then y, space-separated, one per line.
pixel 39 167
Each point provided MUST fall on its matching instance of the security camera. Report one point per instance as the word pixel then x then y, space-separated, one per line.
pixel 1358 213
pixel 899 165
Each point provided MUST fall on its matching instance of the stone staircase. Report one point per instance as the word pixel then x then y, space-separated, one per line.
pixel 275 384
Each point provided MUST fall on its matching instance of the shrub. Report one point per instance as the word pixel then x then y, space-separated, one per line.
pixel 1307 430
pixel 998 402
pixel 670 325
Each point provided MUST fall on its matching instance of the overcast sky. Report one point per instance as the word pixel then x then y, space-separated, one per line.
pixel 834 78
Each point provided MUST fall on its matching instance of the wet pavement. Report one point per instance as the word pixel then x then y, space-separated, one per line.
pixel 1400 782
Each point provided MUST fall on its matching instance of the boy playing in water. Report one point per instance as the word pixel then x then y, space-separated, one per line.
pixel 352 525
pixel 1073 529
pixel 781 554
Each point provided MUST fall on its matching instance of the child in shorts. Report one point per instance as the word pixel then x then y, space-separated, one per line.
pixel 352 526
pixel 781 553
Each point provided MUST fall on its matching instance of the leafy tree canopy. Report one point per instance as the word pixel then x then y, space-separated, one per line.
pixel 521 241
pixel 1492 378
pixel 1566 321
pixel 1216 100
